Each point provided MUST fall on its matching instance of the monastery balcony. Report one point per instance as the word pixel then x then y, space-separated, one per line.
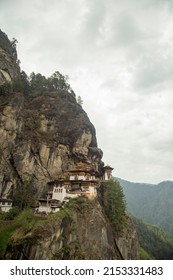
pixel 55 203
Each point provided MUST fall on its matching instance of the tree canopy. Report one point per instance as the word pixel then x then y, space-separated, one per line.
pixel 37 84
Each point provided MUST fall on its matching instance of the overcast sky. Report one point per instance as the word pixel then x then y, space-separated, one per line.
pixel 118 55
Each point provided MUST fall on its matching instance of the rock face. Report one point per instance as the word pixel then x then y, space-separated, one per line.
pixel 9 68
pixel 42 137
pixel 83 232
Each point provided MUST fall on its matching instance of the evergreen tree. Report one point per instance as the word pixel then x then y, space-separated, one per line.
pixel 115 205
pixel 59 82
pixel 79 100
pixel 24 195
pixel 38 83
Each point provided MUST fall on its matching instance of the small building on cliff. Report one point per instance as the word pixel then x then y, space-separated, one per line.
pixel 5 204
pixel 107 175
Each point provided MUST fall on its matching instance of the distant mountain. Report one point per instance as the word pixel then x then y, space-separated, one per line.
pixel 154 243
pixel 152 203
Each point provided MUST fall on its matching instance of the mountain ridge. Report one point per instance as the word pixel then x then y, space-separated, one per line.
pixel 151 202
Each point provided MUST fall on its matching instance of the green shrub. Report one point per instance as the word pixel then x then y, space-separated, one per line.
pixel 25 220
pixel 12 213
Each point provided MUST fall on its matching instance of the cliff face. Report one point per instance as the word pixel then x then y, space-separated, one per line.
pixel 9 68
pixel 40 137
pixel 82 231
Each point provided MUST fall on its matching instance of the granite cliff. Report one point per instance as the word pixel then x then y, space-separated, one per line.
pixel 40 137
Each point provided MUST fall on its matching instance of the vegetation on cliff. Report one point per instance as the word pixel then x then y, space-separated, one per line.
pixel 26 228
pixel 24 196
pixel 37 84
pixel 7 45
pixel 13 230
pixel 114 203
pixel 75 232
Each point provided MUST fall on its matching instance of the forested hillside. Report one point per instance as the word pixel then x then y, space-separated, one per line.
pixel 152 203
pixel 154 243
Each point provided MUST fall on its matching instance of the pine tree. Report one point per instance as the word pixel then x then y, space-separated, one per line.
pixel 115 205
pixel 79 100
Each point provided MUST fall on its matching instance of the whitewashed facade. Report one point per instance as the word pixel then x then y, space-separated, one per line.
pixel 59 193
pixel 107 173
pixel 5 204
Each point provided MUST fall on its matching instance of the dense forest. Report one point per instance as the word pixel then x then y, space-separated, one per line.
pixel 152 203
pixel 155 244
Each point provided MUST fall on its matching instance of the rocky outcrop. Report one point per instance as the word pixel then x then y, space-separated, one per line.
pixel 127 242
pixel 42 137
pixel 9 64
pixel 82 231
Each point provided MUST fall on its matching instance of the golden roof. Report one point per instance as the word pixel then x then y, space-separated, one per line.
pixel 80 166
